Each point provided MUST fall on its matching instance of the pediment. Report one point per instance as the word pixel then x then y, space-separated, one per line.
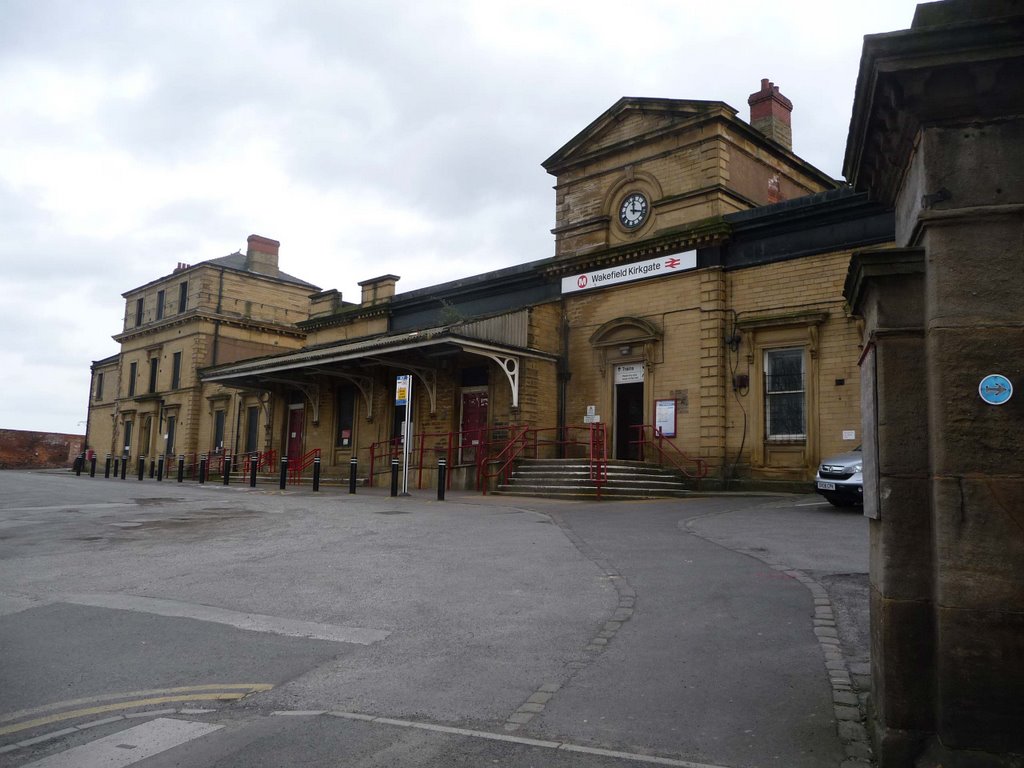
pixel 629 121
pixel 634 330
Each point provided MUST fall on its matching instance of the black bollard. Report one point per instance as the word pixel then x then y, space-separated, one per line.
pixel 152 468
pixel 284 472
pixel 142 467
pixel 160 469
pixel 117 466
pixel 394 477
pixel 253 463
pixel 316 473
pixel 106 468
pixel 226 469
pixel 181 468
pixel 79 462
pixel 353 465
pixel 442 477
pixel 124 467
pixel 202 469
pixel 92 465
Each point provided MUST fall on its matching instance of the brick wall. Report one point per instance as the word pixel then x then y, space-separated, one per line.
pixel 21 449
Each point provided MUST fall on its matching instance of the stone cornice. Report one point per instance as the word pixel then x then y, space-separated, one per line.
pixel 709 232
pixel 952 73
pixel 198 315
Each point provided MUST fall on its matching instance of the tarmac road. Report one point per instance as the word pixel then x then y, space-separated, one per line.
pixel 175 624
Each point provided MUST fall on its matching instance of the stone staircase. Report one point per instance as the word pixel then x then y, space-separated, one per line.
pixel 570 479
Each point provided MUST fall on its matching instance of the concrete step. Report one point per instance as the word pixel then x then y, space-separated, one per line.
pixel 571 479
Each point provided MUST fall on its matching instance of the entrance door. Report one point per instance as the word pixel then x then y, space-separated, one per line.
pixel 296 421
pixel 473 426
pixel 629 411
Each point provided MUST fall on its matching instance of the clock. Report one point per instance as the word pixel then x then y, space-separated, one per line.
pixel 633 211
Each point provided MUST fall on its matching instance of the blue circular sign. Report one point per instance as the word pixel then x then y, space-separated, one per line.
pixel 995 389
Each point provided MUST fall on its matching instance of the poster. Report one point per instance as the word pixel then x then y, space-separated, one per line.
pixel 665 417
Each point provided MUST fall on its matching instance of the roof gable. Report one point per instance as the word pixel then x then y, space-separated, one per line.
pixel 632 120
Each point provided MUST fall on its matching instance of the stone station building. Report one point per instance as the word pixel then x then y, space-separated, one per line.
pixel 695 287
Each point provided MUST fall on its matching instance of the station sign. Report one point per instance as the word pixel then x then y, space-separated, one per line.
pixel 627 273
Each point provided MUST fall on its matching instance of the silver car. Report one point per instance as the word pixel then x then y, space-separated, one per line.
pixel 840 479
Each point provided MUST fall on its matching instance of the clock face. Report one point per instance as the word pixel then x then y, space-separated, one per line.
pixel 633 211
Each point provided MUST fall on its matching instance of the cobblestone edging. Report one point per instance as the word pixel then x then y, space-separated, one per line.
pixel 622 613
pixel 849 705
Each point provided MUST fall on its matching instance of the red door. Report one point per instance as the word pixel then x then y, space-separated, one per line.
pixel 473 429
pixel 296 420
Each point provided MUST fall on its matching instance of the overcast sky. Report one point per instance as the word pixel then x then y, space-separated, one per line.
pixel 368 137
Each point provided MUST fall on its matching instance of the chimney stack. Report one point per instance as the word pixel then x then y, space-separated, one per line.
pixel 770 113
pixel 378 289
pixel 261 255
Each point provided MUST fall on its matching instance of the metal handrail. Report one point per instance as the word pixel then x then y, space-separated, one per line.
pixel 303 463
pixel 673 457
pixel 515 446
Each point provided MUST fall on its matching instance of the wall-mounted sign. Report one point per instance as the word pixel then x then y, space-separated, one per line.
pixel 627 273
pixel 995 389
pixel 849 434
pixel 631 373
pixel 665 417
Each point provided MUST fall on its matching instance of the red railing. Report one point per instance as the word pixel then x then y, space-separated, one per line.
pixel 651 437
pixel 598 457
pixel 263 462
pixel 549 442
pixel 517 444
pixel 300 465
pixel 423 454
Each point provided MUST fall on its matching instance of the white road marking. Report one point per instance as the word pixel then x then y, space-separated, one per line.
pixel 129 746
pixel 811 504
pixel 253 622
pixel 491 736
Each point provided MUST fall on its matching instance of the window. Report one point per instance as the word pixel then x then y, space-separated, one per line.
pixel 183 297
pixel 127 437
pixel 346 408
pixel 252 428
pixel 176 370
pixel 159 305
pixel 99 386
pixel 138 312
pixel 133 371
pixel 218 430
pixel 171 424
pixel 785 406
pixel 154 367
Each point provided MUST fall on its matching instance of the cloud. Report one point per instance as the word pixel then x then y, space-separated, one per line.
pixel 366 137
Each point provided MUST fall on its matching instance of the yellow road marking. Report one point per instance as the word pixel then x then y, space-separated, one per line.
pixel 251 687
pixel 86 712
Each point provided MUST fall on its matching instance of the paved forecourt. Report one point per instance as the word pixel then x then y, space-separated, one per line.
pixel 472 627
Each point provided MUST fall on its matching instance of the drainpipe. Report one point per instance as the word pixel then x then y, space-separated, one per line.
pixel 564 374
pixel 216 322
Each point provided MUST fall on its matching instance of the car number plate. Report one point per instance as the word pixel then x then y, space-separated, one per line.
pixel 826 486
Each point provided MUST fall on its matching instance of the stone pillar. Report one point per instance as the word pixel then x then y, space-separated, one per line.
pixel 938 133
pixel 712 370
pixel 886 288
pixel 974 317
